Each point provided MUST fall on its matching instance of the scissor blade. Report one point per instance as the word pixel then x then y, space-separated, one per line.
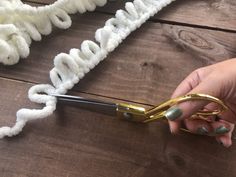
pixel 108 108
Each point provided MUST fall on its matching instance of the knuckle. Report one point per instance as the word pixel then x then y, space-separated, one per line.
pixel 198 73
pixel 196 76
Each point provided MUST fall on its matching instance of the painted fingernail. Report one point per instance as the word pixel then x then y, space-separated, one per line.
pixel 202 131
pixel 221 130
pixel 173 113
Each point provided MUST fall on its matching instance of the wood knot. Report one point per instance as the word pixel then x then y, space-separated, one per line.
pixel 178 161
pixel 152 65
pixel 198 43
pixel 194 39
pixel 144 64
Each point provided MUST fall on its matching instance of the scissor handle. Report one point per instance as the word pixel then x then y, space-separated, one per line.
pixel 139 114
pixel 158 112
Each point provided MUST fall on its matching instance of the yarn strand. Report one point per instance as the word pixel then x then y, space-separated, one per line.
pixel 20 23
pixel 70 68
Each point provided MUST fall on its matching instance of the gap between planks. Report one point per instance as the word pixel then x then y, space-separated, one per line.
pixel 90 94
pixel 202 46
pixel 154 20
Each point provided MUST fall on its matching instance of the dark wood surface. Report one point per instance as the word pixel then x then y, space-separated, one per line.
pixel 218 14
pixel 144 70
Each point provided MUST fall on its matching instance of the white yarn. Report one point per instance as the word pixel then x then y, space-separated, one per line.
pixel 70 68
pixel 19 23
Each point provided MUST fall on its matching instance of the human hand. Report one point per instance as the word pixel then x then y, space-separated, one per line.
pixel 218 80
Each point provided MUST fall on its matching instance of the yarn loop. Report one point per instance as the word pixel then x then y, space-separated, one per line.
pixel 27 22
pixel 69 68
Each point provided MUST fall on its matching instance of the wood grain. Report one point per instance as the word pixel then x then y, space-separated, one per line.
pixel 146 68
pixel 75 142
pixel 211 13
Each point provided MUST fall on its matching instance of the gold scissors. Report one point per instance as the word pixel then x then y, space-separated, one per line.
pixel 135 113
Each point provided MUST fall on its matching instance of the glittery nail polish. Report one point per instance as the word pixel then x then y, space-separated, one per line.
pixel 173 113
pixel 202 131
pixel 221 130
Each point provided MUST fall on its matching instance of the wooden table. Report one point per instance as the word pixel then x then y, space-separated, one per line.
pixel 145 70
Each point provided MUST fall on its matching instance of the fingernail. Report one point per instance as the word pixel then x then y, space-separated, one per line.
pixel 202 131
pixel 173 113
pixel 221 130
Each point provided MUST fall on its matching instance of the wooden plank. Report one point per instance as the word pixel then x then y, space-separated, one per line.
pixel 212 13
pixel 75 142
pixel 146 68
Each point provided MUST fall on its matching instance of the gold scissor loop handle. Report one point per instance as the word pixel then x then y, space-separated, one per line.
pixel 140 114
pixel 159 111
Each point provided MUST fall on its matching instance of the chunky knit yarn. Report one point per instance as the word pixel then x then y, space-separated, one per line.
pixel 68 68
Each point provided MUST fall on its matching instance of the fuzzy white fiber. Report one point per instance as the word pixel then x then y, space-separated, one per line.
pixel 20 23
pixel 16 33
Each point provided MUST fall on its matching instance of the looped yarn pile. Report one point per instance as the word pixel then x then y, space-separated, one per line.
pixel 70 68
pixel 21 23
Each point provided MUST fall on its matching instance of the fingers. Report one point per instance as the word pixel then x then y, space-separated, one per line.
pixel 221 130
pixel 219 127
pixel 229 115
pixel 200 127
pixel 191 81
pixel 187 84
pixel 174 126
pixel 184 110
pixel 208 80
